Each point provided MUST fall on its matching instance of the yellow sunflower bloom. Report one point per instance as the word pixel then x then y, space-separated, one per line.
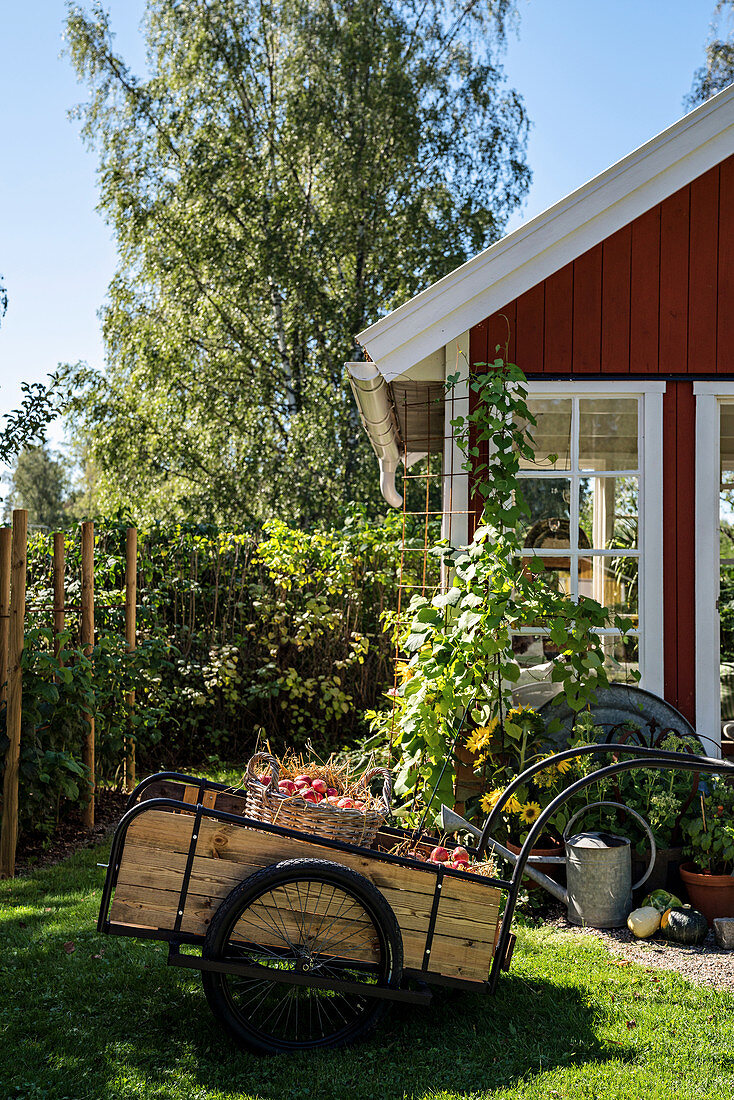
pixel 565 765
pixel 530 812
pixel 489 801
pixel 479 738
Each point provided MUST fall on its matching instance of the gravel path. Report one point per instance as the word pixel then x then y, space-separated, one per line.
pixel 705 965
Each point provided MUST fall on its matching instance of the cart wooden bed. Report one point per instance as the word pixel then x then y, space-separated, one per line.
pixel 305 941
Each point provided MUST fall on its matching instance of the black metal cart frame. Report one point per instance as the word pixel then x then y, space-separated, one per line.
pixel 141 801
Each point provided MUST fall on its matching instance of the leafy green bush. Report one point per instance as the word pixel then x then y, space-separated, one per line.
pixel 276 635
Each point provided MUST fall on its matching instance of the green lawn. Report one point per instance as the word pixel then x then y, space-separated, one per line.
pixel 110 1020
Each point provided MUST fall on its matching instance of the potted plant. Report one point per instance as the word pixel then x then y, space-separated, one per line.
pixel 501 751
pixel 709 878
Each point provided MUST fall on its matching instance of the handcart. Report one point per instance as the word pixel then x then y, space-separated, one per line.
pixel 304 941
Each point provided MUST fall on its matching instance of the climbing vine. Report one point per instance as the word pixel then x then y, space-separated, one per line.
pixel 459 644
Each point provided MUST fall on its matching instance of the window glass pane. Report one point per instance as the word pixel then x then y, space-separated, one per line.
pixel 612 582
pixel 608 433
pixel 549 503
pixel 557 574
pixel 608 512
pixel 621 657
pixel 552 433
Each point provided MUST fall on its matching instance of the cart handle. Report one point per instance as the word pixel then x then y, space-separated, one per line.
pixel 655 755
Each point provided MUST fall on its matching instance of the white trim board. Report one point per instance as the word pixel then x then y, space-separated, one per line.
pixel 477 289
pixel 577 387
pixel 708 687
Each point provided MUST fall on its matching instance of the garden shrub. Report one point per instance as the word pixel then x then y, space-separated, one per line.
pixel 242 636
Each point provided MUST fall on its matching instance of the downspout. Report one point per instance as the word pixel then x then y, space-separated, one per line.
pixel 378 419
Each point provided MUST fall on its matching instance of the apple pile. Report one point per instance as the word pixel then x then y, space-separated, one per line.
pixel 458 860
pixel 314 789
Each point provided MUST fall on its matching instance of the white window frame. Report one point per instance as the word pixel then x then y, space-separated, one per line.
pixel 709 398
pixel 650 504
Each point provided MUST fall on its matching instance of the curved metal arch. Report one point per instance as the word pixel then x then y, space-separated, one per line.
pixel 569 754
pixel 645 758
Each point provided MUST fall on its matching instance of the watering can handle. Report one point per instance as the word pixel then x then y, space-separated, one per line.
pixel 634 813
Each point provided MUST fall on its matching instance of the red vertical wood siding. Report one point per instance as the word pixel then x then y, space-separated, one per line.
pixel 674 244
pixel 587 301
pixel 703 266
pixel 644 293
pixel 679 611
pixel 615 300
pixel 655 298
pixel 725 325
pixel 559 321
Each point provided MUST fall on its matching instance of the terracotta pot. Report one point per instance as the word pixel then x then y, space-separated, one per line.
pixel 556 871
pixel 712 895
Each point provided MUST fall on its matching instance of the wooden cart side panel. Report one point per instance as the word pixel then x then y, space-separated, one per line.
pixel 466 925
pixel 154 859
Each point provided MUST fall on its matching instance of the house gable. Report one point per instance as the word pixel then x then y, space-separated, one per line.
pixel 655 297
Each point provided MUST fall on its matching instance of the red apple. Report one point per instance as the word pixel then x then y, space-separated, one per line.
pixel 310 796
pixel 302 782
pixel 333 799
pixel 332 792
pixel 320 786
pixel 460 855
pixel 265 780
pixel 287 786
pixel 345 804
pixel 439 855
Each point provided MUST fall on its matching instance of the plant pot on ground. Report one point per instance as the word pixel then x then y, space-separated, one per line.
pixel 709 878
pixel 712 895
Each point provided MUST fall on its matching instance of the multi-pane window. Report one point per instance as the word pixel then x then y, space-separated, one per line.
pixel 583 495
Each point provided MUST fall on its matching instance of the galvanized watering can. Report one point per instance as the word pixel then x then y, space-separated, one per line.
pixel 598 868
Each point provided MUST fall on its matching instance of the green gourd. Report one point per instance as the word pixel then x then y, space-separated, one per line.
pixel 687 927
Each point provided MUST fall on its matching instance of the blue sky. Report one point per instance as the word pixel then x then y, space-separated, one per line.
pixel 599 78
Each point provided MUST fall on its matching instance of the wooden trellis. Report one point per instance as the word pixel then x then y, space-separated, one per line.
pixel 13 573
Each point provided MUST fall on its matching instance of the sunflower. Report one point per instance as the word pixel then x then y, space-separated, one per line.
pixel 489 801
pixel 530 812
pixel 546 778
pixel 566 765
pixel 479 738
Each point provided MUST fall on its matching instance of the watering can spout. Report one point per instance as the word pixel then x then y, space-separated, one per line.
pixel 451 822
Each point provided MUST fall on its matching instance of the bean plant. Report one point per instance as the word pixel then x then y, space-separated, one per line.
pixel 459 643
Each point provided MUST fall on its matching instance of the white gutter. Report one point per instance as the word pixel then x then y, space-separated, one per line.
pixel 378 418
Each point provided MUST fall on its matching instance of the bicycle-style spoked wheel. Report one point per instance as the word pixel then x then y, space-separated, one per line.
pixel 311 918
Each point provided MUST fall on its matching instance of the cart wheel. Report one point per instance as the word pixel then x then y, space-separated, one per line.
pixel 309 916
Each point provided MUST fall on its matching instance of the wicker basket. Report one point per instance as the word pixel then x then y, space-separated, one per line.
pixel 318 818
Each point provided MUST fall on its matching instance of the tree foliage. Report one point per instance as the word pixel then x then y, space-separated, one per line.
pixel 718 71
pixel 284 173
pixel 40 483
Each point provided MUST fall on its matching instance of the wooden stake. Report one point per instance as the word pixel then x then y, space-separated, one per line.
pixel 131 600
pixel 9 833
pixel 6 541
pixel 59 593
pixel 87 639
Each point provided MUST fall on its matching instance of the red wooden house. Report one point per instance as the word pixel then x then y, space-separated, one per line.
pixel 618 303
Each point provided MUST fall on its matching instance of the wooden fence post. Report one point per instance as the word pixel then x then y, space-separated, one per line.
pixel 19 551
pixel 87 640
pixel 131 600
pixel 59 593
pixel 6 542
